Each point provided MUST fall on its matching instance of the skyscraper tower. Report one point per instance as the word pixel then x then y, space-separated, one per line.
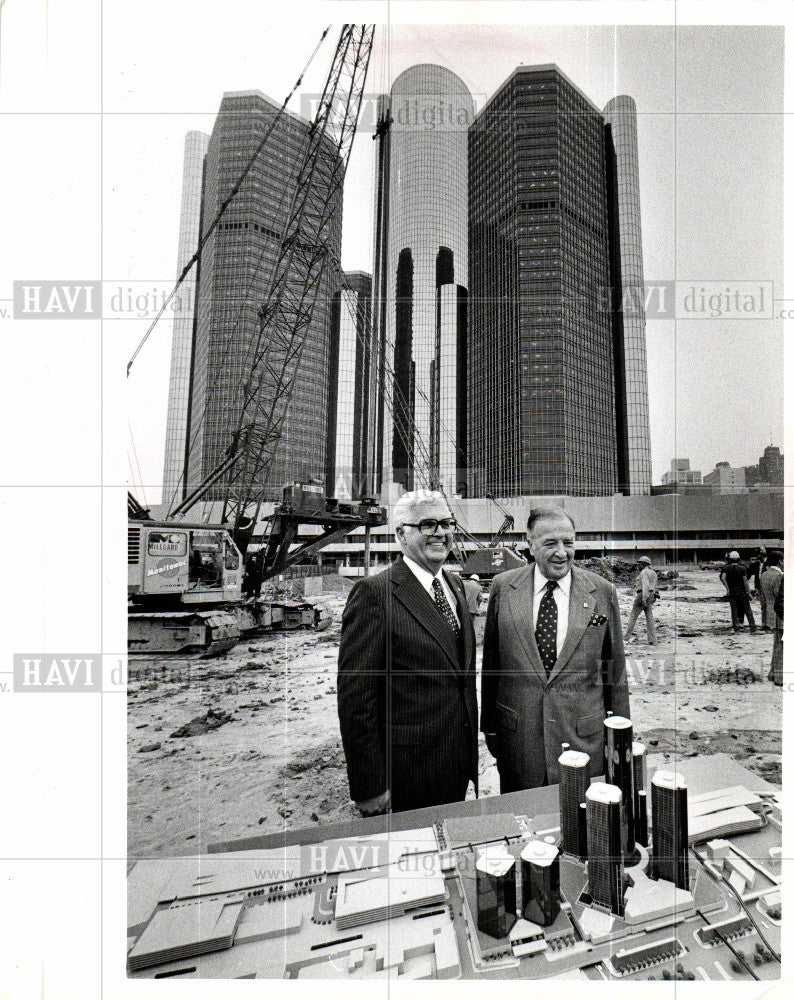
pixel 670 854
pixel 421 277
pixel 182 339
pixel 548 410
pixel 631 365
pixel 351 384
pixel 574 781
pixel 604 846
pixel 235 273
pixel 540 880
pixel 619 770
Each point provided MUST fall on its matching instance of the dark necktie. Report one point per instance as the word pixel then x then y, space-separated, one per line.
pixel 546 627
pixel 443 606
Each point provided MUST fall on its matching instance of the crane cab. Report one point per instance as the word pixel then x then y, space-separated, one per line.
pixel 193 564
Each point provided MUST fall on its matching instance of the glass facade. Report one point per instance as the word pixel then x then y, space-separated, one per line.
pixel 182 341
pixel 351 384
pixel 604 847
pixel 670 823
pixel 421 276
pixel 496 892
pixel 540 880
pixel 541 354
pixel 633 430
pixel 574 782
pixel 235 274
pixel 619 771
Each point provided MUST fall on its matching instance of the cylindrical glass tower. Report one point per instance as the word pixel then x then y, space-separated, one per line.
pixel 422 252
pixel 634 437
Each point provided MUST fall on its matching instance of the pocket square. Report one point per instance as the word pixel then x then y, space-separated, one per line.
pixel 597 620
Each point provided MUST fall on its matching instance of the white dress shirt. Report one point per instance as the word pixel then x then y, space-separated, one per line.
pixel 562 595
pixel 425 577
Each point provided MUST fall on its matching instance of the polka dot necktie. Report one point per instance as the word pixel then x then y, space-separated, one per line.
pixel 443 606
pixel 546 627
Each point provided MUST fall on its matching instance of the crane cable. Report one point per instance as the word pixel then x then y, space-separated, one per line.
pixel 194 259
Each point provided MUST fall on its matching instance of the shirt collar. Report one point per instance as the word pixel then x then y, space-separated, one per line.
pixel 564 584
pixel 424 576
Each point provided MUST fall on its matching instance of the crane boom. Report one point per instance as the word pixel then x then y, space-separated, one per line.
pixel 274 358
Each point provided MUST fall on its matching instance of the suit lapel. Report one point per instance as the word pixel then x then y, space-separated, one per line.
pixel 580 611
pixel 415 599
pixel 519 611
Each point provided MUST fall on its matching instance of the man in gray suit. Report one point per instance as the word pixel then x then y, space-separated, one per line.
pixel 553 660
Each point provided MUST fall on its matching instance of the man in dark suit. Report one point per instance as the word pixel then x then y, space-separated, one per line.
pixel 406 688
pixel 553 660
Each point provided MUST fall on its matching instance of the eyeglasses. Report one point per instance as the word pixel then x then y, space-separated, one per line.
pixel 430 525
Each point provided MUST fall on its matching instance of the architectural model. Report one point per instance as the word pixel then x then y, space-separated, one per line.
pixel 599 890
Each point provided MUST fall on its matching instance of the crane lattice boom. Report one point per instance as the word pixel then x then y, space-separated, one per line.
pixel 304 255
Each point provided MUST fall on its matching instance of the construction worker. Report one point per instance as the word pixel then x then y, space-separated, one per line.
pixel 734 579
pixel 645 587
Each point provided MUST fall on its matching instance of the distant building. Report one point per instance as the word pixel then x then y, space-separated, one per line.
pixel 680 473
pixel 351 384
pixel 768 472
pixel 558 399
pixel 670 838
pixel 669 529
pixel 182 337
pixel 235 273
pixel 605 846
pixel 726 479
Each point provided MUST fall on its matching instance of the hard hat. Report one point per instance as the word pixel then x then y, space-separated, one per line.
pixel 733 554
pixel 475 577
pixel 645 559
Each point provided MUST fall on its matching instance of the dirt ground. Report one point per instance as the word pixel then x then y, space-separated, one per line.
pixel 249 742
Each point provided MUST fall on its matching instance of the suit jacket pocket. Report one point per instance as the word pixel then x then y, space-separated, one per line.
pixel 506 718
pixel 589 725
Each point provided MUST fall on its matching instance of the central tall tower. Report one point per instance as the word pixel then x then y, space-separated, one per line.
pixel 558 394
pixel 421 277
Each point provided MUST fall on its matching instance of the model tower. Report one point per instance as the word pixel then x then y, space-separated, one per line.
pixel 640 793
pixel 574 781
pixel 605 846
pixel 619 770
pixel 540 879
pixel 670 828
pixel 496 892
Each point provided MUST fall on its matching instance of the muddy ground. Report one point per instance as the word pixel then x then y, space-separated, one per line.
pixel 249 742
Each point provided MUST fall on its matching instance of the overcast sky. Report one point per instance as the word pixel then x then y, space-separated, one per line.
pixel 710 101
